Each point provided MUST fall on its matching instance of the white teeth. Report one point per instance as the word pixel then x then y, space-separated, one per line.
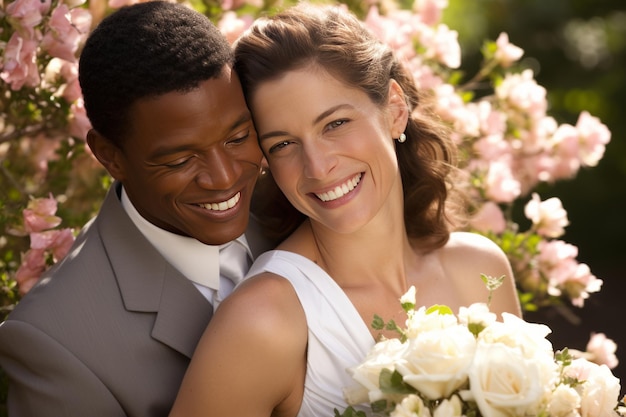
pixel 340 190
pixel 224 205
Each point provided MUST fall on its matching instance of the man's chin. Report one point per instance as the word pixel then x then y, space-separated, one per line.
pixel 222 236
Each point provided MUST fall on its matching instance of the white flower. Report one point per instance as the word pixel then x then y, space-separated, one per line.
pixel 599 391
pixel 449 408
pixel 472 363
pixel 436 362
pixel 410 406
pixel 409 296
pixel 423 321
pixel 565 402
pixel 384 355
pixel 517 333
pixel 477 314
pixel 504 382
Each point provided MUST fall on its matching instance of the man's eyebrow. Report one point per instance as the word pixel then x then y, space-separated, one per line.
pixel 318 119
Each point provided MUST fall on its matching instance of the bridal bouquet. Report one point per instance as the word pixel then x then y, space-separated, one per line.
pixel 473 365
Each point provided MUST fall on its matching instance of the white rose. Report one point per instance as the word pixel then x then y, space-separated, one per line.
pixel 449 408
pixel 410 406
pixel 383 355
pixel 514 332
pixel 423 321
pixel 504 382
pixel 564 402
pixel 477 314
pixel 436 362
pixel 600 390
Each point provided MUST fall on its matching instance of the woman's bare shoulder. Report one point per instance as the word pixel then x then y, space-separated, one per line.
pixel 264 301
pixel 472 248
pixel 467 256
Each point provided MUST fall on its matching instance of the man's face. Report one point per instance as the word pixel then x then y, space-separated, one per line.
pixel 192 159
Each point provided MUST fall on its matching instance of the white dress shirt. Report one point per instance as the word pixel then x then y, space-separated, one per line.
pixel 199 262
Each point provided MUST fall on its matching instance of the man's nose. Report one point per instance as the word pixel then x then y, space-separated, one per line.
pixel 219 170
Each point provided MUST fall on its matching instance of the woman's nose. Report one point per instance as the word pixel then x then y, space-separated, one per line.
pixel 318 161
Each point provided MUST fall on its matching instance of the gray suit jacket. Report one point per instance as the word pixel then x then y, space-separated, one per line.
pixel 109 331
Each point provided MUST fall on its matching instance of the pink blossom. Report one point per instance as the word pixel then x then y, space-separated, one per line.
pixel 71 91
pixel 235 4
pixel 507 53
pixel 430 11
pixel 79 124
pixel 424 76
pixel 492 148
pixel 549 218
pixel 581 284
pixel 233 26
pixel 441 44
pixel 41 151
pixel 489 219
pixel 67 30
pixel 500 184
pixel 116 4
pixel 20 63
pixel 594 135
pixel 396 29
pixel 33 265
pixel 522 92
pixel 39 215
pixel 565 146
pixel 24 15
pixel 451 108
pixel 56 241
pixel 602 350
pixel 492 121
pixel 565 275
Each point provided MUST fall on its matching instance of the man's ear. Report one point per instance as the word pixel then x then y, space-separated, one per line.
pixel 398 109
pixel 107 152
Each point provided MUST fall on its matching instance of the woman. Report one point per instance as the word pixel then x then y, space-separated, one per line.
pixel 328 101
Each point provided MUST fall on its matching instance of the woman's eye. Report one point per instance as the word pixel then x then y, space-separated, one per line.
pixel 336 123
pixel 278 146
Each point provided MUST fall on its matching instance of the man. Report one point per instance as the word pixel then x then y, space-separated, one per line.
pixel 110 329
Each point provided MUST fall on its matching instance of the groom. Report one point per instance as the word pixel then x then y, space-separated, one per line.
pixel 110 329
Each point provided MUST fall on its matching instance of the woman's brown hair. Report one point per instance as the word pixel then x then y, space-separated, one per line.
pixel 335 40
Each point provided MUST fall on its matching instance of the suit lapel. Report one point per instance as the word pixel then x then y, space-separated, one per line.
pixel 148 283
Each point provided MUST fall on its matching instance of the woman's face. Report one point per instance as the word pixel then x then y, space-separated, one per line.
pixel 330 148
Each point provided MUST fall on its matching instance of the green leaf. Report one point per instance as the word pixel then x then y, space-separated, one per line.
pixel 378 323
pixel 439 309
pixel 392 383
pixel 476 328
pixel 349 412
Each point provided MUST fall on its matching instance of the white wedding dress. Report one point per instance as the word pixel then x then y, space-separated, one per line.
pixel 338 337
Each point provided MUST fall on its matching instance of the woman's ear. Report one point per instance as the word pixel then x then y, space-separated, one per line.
pixel 398 109
pixel 107 153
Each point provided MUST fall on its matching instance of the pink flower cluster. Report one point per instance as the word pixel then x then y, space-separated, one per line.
pixel 42 51
pixel 512 144
pixel 47 246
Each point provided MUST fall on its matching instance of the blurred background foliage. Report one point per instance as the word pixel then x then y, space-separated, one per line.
pixel 577 49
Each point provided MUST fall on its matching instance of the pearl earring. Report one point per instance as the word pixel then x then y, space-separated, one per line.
pixel 402 138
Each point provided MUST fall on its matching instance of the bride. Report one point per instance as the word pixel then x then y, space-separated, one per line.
pixel 350 145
